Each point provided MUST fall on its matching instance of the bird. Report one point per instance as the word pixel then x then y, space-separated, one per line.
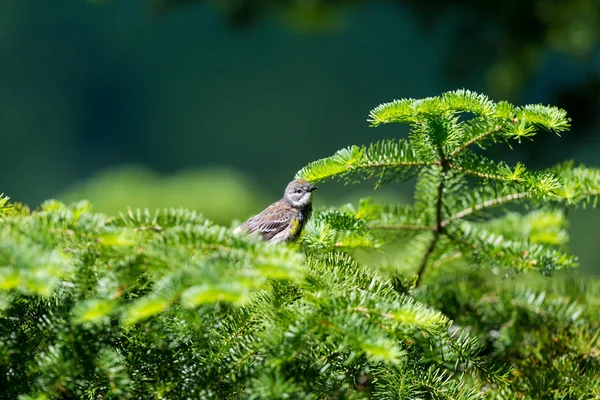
pixel 283 220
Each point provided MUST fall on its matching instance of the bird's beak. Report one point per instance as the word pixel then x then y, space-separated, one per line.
pixel 312 187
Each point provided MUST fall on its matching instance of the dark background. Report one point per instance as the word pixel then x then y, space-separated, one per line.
pixel 215 105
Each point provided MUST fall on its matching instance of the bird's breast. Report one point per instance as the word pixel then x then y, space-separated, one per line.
pixel 295 226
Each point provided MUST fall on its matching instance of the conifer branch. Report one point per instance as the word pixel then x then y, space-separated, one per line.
pixel 445 166
pixel 423 265
pixel 406 227
pixel 474 140
pixel 386 160
pixel 485 204
pixel 478 174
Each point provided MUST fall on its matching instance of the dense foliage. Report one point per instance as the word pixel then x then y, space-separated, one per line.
pixel 167 304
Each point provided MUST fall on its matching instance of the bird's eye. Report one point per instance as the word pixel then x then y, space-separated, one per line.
pixel 298 190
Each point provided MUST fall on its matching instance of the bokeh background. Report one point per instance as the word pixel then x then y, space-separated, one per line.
pixel 214 105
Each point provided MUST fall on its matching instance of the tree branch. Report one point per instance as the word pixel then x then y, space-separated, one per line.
pixel 391 227
pixel 485 204
pixel 477 138
pixel 477 173
pixel 438 215
pixel 436 236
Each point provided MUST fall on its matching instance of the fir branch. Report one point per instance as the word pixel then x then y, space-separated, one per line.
pixel 423 265
pixel 481 167
pixel 397 217
pixel 6 208
pixel 477 138
pixel 543 226
pixel 484 205
pixel 463 100
pixel 578 185
pixel 438 216
pixel 385 161
pixel 411 110
pixel 550 118
pixel 478 173
pixel 518 254
pixel 406 227
pixel 395 111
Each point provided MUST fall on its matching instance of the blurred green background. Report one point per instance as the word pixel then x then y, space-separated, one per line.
pixel 214 105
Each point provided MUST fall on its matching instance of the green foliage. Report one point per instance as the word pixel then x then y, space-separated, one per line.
pixel 5 207
pixel 460 194
pixel 167 304
pixel 547 330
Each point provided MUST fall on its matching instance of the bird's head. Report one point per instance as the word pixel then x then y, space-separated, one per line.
pixel 299 193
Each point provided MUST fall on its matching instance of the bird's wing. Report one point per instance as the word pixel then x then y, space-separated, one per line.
pixel 273 220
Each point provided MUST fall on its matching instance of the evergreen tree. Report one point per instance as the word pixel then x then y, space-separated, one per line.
pixel 167 304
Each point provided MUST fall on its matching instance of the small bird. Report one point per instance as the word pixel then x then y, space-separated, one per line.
pixel 283 220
